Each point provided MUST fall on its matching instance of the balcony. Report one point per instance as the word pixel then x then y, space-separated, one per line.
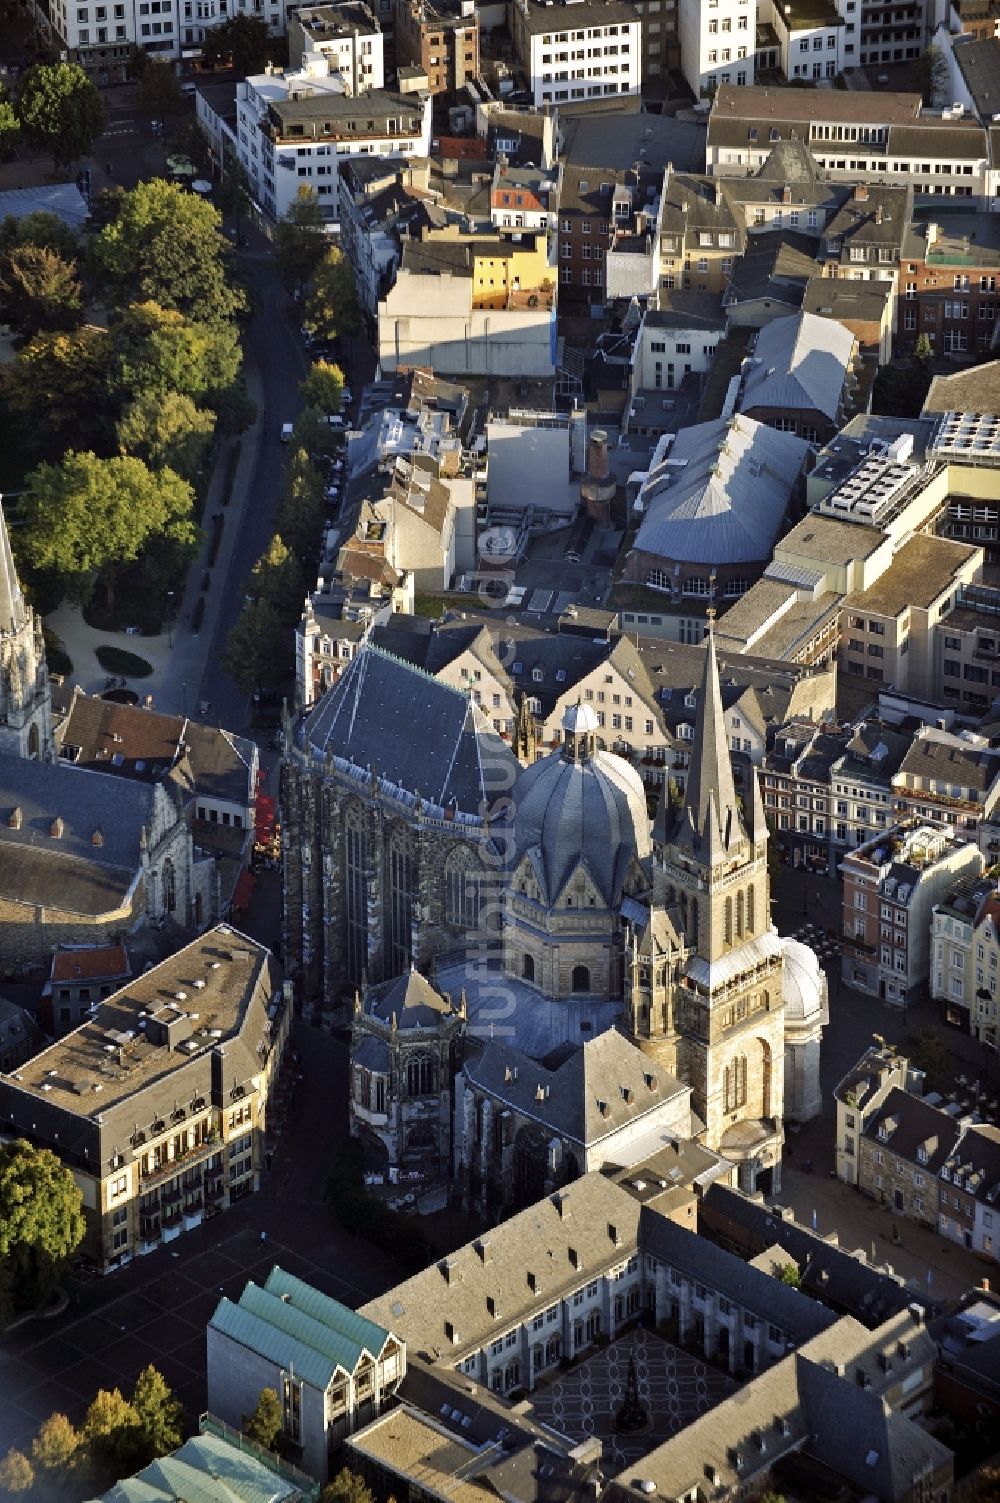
pixel 186 1160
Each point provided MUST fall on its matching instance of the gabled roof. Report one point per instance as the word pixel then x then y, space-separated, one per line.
pixel 801 365
pixel 291 1323
pixel 411 1000
pixel 912 1123
pixel 412 730
pixel 598 1090
pixel 205 1469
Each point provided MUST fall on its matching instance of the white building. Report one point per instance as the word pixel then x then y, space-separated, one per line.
pixel 810 36
pixel 101 37
pixel 294 130
pixel 717 43
pixel 583 50
pixel 347 35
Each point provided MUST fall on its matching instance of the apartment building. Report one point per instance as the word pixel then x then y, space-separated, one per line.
pixel 524 198
pixel 587 49
pixel 333 1370
pixel 159 1103
pixel 973 1170
pixel 380 201
pixel 677 337
pixel 949 287
pixel 587 201
pixel 890 886
pixel 717 44
pixel 966 957
pixel 347 34
pixel 441 38
pixel 877 136
pixel 102 37
pixel 902 1150
pixel 860 1094
pixel 295 129
pixel 953 780
pixel 810 38
pixel 661 43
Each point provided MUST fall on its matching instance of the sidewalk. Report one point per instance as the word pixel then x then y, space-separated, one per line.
pixel 860 1223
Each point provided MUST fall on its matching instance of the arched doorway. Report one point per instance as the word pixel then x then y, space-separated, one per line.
pixel 581 978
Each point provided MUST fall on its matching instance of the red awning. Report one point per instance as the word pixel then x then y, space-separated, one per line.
pixel 264 816
pixel 244 891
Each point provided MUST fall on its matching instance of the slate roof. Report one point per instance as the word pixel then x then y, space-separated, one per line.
pixel 726 505
pixel 411 999
pixel 590 812
pixel 683 309
pixel 411 729
pixel 70 871
pixel 834 297
pixel 803 362
pixel 600 1089
pixel 442 1312
pixel 289 1322
pixel 941 758
pixel 776 265
pixel 913 1123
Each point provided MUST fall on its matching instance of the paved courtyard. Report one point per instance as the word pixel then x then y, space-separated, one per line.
pixel 674 1387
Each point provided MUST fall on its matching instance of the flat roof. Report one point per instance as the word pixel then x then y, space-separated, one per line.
pixel 110 1058
pixel 760 103
pixel 541 19
pixel 920 573
pixel 830 541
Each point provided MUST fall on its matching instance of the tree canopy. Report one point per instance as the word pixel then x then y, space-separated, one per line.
pixel 86 515
pixel 10 125
pixel 58 382
pixel 61 111
pixel 41 1225
pixel 110 1431
pixel 258 652
pixel 161 1416
pixel 331 307
pixel 242 43
pixel 300 240
pixel 301 508
pixel 166 246
pixel 160 94
pixel 39 290
pixel 323 388
pixel 57 1446
pixel 263 1427
pixel 277 578
pixel 158 350
pixel 347 1487
pixel 167 431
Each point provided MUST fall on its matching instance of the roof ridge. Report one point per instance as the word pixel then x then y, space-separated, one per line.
pixel 392 657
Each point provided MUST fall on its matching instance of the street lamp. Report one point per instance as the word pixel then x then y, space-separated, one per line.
pixel 184 692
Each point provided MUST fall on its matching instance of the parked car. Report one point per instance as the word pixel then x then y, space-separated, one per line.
pixel 287 430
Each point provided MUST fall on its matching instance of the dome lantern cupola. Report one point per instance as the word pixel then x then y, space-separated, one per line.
pixel 579 725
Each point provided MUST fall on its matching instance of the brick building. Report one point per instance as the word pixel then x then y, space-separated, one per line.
pixel 441 37
pixel 949 281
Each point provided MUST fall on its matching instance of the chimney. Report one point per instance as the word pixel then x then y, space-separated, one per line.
pixel 98 837
pixel 449 1270
pixel 561 1202
pixel 861 193
pixel 574 1257
pixel 533 1284
pixel 482 1247
pixel 878 214
pixel 14 818
pixel 786 194
pixel 614 1234
pixel 56 828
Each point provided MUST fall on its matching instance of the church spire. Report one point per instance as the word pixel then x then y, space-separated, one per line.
pixel 711 793
pixel 12 607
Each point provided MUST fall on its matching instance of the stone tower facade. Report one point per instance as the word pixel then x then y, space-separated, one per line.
pixel 25 696
pixel 705 992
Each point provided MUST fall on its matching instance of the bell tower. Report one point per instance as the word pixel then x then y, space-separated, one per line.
pixel 726 1012
pixel 25 695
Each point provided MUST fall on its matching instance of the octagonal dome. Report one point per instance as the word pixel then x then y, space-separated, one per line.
pixel 579 805
pixel 802 986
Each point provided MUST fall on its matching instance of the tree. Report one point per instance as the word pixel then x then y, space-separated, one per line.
pixel 277 579
pixel 235 196
pixel 41 1223
pixel 167 431
pixel 39 228
pixel 934 66
pixel 300 240
pixel 314 434
pixel 61 111
pixel 347 1487
pixel 165 246
pixel 157 350
pixel 112 1431
pixel 56 384
pixel 39 290
pixel 161 1416
pixel 791 1276
pixel 17 1475
pixel 301 509
pixel 87 515
pixel 263 1427
pixel 56 1448
pixel 331 307
pixel 10 129
pixel 160 94
pixel 923 350
pixel 323 388
pixel 242 43
pixel 258 655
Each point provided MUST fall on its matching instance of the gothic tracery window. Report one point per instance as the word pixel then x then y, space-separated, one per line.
pixel 735 1084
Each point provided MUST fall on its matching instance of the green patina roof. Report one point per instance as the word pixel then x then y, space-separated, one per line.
pixel 204 1470
pixel 291 1323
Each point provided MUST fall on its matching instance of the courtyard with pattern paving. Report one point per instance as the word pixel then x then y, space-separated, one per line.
pixel 674 1387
